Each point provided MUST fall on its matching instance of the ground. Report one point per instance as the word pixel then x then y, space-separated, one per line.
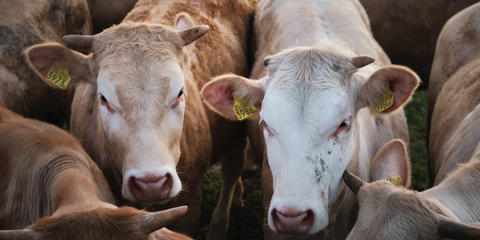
pixel 246 223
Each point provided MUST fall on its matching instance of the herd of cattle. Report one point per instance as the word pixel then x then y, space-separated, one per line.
pixel 151 102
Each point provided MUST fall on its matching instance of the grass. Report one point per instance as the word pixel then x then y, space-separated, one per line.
pixel 246 223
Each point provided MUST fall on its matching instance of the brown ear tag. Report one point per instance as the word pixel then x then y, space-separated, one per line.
pixel 242 108
pixel 59 76
pixel 386 101
pixel 396 181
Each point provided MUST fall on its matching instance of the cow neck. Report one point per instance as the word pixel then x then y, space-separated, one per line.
pixel 74 189
pixel 458 195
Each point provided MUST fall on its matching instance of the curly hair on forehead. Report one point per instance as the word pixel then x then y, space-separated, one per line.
pixel 119 224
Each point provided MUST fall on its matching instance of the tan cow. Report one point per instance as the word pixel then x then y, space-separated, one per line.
pixel 318 107
pixel 454 78
pixel 138 110
pixel 444 211
pixel 22 24
pixel 454 140
pixel 50 186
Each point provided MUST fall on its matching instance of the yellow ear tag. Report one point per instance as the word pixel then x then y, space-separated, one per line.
pixel 386 101
pixel 242 108
pixel 397 181
pixel 59 76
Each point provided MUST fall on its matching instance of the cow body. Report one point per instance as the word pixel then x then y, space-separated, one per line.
pixel 394 22
pixel 302 48
pixel 46 173
pixel 138 111
pixel 454 76
pixel 24 23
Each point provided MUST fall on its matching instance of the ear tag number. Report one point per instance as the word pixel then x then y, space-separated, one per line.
pixel 396 181
pixel 242 108
pixel 59 76
pixel 386 101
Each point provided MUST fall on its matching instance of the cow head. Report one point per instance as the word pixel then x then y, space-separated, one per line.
pixel 388 211
pixel 308 104
pixel 102 223
pixel 137 69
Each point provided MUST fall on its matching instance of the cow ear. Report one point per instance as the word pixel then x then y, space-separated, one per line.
pixel 224 93
pixel 59 66
pixel 23 234
pixel 391 163
pixel 388 89
pixel 186 30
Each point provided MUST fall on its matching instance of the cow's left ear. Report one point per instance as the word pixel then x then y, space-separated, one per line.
pixel 388 89
pixel 391 162
pixel 187 31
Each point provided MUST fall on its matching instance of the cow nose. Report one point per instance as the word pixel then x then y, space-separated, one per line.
pixel 292 221
pixel 151 187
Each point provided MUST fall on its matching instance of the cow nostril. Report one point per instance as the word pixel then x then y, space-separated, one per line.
pixel 293 221
pixel 307 222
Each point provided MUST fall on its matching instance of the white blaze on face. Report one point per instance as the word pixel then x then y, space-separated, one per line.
pixel 305 157
pixel 146 138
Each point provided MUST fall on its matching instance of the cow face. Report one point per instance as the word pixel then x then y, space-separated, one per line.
pixel 102 223
pixel 309 101
pixel 138 71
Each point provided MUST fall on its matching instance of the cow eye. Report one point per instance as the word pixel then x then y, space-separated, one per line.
pixel 104 102
pixel 180 97
pixel 343 127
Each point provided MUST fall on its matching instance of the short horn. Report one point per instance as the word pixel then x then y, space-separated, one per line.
pixel 353 182
pixel 362 61
pixel 81 43
pixel 156 220
pixel 455 230
pixel 23 234
pixel 191 34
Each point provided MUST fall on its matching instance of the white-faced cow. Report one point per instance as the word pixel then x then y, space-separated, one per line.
pixel 455 72
pixel 324 107
pixel 137 108
pixel 22 24
pixel 51 189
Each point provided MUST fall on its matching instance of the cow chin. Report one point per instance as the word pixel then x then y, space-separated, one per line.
pixel 151 186
pixel 297 216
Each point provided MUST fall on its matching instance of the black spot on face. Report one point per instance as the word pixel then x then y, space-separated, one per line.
pixel 329 152
pixel 318 175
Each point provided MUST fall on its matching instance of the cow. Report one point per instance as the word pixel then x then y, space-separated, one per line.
pixel 448 210
pixel 321 104
pixel 395 22
pixel 52 189
pixel 22 24
pixel 454 78
pixel 137 108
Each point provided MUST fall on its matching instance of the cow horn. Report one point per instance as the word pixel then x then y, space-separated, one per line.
pixel 23 234
pixel 156 220
pixel 455 230
pixel 191 34
pixel 362 61
pixel 353 182
pixel 81 43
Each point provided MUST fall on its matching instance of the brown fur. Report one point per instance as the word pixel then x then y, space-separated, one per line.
pixel 205 136
pixel 455 72
pixel 22 24
pixel 48 177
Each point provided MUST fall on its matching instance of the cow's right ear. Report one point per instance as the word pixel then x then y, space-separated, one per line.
pixel 59 66
pixel 390 163
pixel 223 92
pixel 23 234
